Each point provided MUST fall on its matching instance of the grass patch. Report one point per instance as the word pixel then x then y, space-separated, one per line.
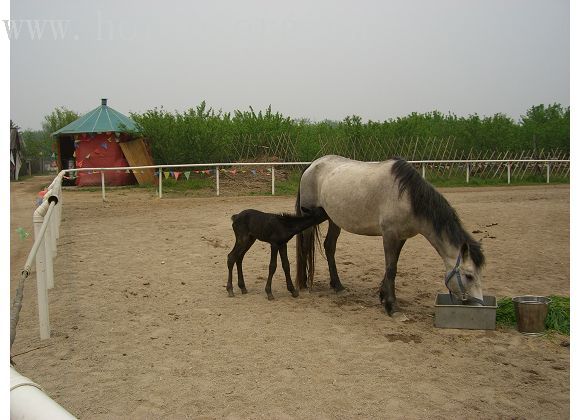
pixel 289 186
pixel 558 318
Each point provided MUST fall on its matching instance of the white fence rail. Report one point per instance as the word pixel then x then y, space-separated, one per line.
pixel 506 163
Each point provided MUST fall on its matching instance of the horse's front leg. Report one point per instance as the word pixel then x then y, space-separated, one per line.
pixel 272 270
pixel 330 250
pixel 392 247
pixel 286 267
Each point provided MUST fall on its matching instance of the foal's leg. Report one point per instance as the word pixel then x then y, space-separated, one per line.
pixel 330 249
pixel 272 268
pixel 233 257
pixel 245 248
pixel 392 247
pixel 286 267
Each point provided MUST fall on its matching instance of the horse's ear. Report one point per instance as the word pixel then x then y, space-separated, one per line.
pixel 465 251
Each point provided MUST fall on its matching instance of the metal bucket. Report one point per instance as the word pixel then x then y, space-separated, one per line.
pixel 531 312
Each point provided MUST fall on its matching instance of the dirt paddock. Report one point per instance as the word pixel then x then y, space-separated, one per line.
pixel 142 326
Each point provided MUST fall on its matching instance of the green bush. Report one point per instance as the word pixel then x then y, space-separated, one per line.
pixel 203 135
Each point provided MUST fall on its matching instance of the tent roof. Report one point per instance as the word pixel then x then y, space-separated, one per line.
pixel 99 120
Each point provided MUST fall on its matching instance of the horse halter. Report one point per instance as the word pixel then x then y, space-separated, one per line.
pixel 455 273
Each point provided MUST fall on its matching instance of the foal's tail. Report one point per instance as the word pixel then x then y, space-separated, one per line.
pixel 305 241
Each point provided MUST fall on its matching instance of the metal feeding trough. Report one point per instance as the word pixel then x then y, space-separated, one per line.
pixel 452 314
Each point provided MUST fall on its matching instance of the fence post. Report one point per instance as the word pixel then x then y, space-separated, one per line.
pixel 273 188
pixel 467 172
pixel 217 180
pixel 48 252
pixel 423 170
pixel 41 289
pixel 160 182
pixel 548 173
pixel 509 172
pixel 103 184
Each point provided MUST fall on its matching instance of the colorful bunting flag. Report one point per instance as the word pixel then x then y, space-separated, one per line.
pixel 166 174
pixel 187 175
pixel 253 171
pixel 176 174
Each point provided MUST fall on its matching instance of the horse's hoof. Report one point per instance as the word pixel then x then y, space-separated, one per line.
pixel 340 290
pixel 244 290
pixel 295 293
pixel 230 293
pixel 399 317
pixel 270 297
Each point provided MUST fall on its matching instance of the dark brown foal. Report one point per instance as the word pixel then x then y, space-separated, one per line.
pixel 277 230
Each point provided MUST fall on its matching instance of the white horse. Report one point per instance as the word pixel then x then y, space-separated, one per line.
pixel 388 199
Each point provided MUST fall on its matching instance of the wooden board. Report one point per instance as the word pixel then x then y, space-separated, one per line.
pixel 137 154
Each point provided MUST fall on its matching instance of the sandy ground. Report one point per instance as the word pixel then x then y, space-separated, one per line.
pixel 142 326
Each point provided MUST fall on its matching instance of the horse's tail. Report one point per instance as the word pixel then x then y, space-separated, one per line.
pixel 305 241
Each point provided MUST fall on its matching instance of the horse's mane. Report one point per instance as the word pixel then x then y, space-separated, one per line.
pixel 429 204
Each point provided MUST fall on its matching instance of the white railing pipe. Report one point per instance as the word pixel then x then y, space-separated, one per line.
pixel 103 184
pixel 41 220
pixel 41 286
pixel 273 185
pixel 160 182
pixel 468 163
pixel 217 180
pixel 29 402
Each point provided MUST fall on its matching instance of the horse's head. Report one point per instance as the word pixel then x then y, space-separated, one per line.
pixel 464 279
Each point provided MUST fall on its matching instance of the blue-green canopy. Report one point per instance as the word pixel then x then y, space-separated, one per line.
pixel 100 120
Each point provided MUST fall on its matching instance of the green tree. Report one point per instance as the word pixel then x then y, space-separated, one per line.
pixel 57 119
pixel 36 144
pixel 546 127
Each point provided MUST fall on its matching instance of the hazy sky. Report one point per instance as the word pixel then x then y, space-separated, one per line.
pixel 312 59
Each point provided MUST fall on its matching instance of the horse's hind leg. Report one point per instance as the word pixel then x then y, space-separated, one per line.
pixel 241 283
pixel 232 259
pixel 392 249
pixel 286 267
pixel 330 250
pixel 272 270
